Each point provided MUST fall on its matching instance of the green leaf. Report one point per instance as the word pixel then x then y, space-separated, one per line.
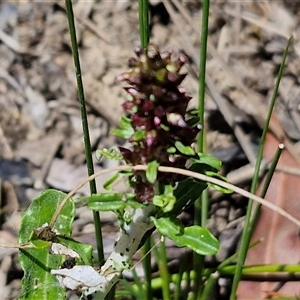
pixel 165 201
pixel 165 127
pixel 111 153
pixel 186 150
pixel 217 187
pixel 125 131
pixel 206 159
pixel 171 150
pixel 105 197
pixel 187 192
pixel 111 202
pixel 193 121
pixel 85 251
pixel 138 135
pixel 107 206
pixel 106 202
pixel 194 237
pixel 151 171
pixel 38 243
pixel 37 282
pixel 108 184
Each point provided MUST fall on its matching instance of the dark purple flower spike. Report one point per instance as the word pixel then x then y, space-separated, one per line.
pixel 157 108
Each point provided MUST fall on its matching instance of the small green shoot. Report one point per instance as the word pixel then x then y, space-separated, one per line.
pixel 125 131
pixel 151 172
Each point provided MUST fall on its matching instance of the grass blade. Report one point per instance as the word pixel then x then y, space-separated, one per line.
pixel 201 205
pixel 144 22
pixel 85 126
pixel 247 232
pixel 162 261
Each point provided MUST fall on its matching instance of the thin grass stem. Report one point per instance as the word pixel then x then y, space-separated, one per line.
pixel 144 22
pixel 247 232
pixel 146 253
pixel 138 283
pixel 271 171
pixel 201 205
pixel 179 278
pixel 209 287
pixel 144 37
pixel 183 172
pixel 265 187
pixel 163 269
pixel 270 268
pixel 130 289
pixel 85 126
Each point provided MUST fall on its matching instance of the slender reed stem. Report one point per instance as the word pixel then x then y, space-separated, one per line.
pixel 178 293
pixel 85 126
pixel 202 68
pixel 209 287
pixel 144 37
pixel 147 268
pixel 267 182
pixel 162 260
pixel 144 22
pixel 270 268
pixel 138 284
pixel 248 228
pixel 201 205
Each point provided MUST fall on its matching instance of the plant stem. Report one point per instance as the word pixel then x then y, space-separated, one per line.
pixel 85 126
pixel 144 37
pixel 130 237
pixel 147 268
pixel 209 286
pixel 161 257
pixel 138 284
pixel 202 69
pixel 178 293
pixel 201 205
pixel 183 172
pixel 271 268
pixel 144 22
pixel 248 227
pixel 265 187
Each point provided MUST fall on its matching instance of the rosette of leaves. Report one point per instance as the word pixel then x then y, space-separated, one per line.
pixel 158 127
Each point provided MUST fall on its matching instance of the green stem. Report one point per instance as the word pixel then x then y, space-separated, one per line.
pixel 146 254
pixel 265 187
pixel 202 68
pixel 144 22
pixel 163 269
pixel 138 284
pixel 210 286
pixel 178 292
pixel 255 269
pixel 85 127
pixel 201 205
pixel 248 227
